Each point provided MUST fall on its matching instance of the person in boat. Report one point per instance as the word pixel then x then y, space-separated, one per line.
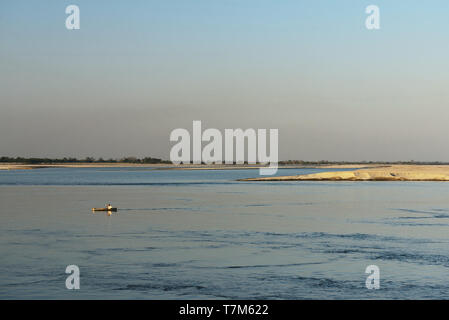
pixel 109 207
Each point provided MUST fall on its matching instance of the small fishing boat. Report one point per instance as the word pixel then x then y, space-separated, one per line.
pixel 104 209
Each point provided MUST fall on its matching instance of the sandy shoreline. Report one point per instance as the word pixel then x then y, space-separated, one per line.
pixel 164 166
pixel 354 172
pixel 15 166
pixel 375 173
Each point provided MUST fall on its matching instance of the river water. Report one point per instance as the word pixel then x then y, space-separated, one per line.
pixel 201 234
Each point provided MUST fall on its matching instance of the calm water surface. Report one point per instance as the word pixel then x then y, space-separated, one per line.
pixel 203 235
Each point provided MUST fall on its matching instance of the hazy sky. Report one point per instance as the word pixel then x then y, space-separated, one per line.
pixel 136 70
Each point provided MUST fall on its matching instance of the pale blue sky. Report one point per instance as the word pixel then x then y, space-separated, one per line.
pixel 138 69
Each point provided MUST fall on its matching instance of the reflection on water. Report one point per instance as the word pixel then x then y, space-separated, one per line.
pixel 200 234
pixel 107 213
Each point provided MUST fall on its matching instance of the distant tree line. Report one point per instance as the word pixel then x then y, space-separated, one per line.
pixel 145 160
pixel 150 160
